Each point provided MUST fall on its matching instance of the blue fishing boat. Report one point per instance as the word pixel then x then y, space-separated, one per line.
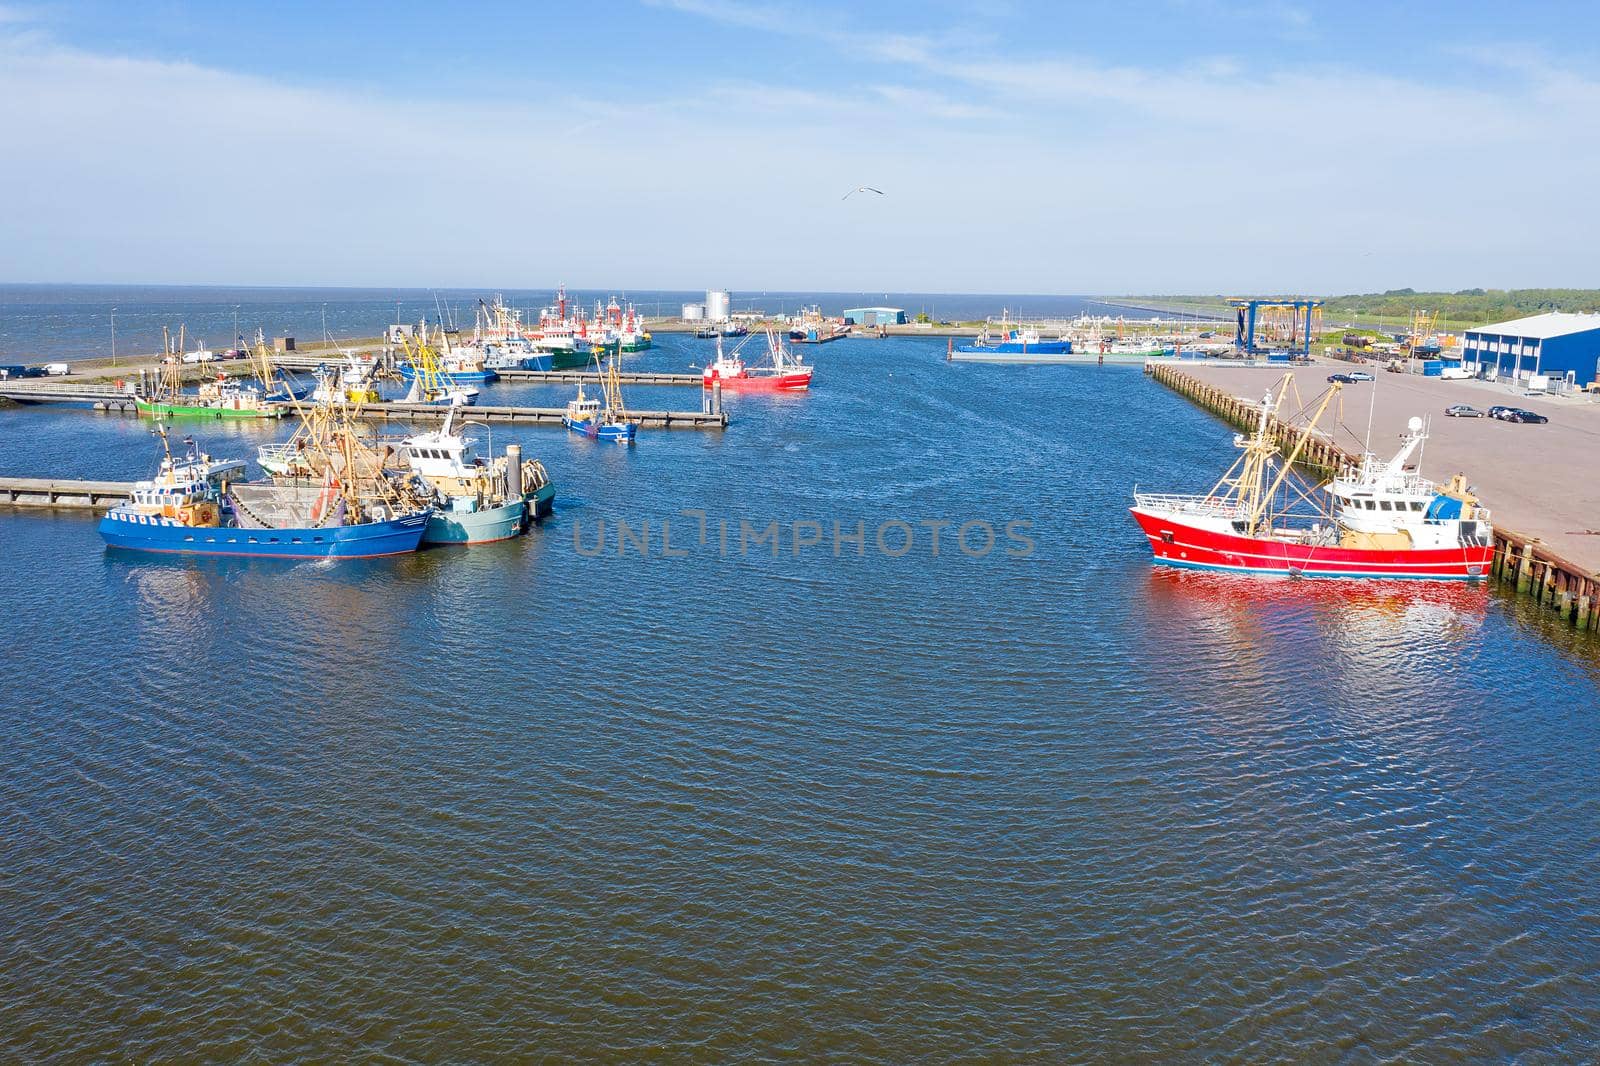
pixel 192 507
pixel 586 414
pixel 1016 342
pixel 457 370
pixel 447 365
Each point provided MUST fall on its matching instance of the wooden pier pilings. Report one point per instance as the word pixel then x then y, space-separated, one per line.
pixel 1521 562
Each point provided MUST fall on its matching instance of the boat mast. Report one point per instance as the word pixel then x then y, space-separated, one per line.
pixel 1258 514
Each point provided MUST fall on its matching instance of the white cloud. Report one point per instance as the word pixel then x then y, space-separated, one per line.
pixel 1048 172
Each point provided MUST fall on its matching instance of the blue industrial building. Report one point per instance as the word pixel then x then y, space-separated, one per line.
pixel 874 316
pixel 1554 344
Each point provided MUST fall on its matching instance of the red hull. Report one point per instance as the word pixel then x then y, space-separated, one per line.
pixel 796 382
pixel 1177 544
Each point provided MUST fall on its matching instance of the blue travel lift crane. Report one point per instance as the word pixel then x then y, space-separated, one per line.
pixel 1246 312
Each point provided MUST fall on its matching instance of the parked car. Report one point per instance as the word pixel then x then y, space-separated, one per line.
pixel 1360 375
pixel 1462 410
pixel 14 372
pixel 200 355
pixel 1516 414
pixel 235 353
pixel 1456 373
pixel 57 370
pixel 1343 379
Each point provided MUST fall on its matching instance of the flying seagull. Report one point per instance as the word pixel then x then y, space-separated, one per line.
pixel 861 188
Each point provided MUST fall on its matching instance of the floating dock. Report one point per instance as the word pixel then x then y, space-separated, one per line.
pixel 589 377
pixel 109 398
pixel 1526 561
pixel 537 416
pixel 58 493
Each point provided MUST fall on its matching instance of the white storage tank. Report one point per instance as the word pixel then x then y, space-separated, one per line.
pixel 719 305
pixel 694 312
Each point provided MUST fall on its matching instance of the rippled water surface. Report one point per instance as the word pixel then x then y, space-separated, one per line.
pixel 519 803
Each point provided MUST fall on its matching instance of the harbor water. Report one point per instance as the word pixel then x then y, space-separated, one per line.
pixel 594 794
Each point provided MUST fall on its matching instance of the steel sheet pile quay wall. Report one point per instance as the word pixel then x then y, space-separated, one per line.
pixel 1520 560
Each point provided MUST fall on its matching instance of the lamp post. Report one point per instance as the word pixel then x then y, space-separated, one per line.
pixel 113 336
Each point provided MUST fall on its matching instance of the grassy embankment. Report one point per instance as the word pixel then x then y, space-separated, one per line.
pixel 1392 309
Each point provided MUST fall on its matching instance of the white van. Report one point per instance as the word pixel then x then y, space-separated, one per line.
pixel 57 370
pixel 1456 373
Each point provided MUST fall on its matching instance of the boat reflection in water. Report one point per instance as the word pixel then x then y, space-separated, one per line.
pixel 1373 636
pixel 1359 616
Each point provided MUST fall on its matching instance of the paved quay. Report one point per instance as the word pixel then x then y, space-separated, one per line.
pixel 1534 478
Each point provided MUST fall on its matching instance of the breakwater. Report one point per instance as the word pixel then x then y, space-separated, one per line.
pixel 1521 562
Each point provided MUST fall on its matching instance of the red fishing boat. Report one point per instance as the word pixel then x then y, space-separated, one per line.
pixel 1377 519
pixel 784 372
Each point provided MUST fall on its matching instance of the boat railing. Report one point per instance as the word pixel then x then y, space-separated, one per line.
pixel 284 450
pixel 1204 506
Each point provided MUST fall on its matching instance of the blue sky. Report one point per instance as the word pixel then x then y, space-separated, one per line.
pixel 1181 145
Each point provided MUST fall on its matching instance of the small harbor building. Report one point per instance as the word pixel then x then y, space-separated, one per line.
pixel 874 316
pixel 1554 344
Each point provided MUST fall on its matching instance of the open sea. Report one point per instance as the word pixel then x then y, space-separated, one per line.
pixel 735 797
pixel 40 323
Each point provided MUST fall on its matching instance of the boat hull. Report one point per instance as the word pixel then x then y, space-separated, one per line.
pixel 1033 358
pixel 1176 543
pixel 397 536
pixel 640 345
pixel 1017 348
pixel 569 359
pixel 617 432
pixel 150 409
pixel 460 377
pixel 761 382
pixel 477 527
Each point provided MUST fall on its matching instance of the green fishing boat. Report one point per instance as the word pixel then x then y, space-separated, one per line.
pixel 221 397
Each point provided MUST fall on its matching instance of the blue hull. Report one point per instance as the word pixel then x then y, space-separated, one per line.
pixel 395 537
pixel 621 434
pixel 465 377
pixel 476 527
pixel 1018 348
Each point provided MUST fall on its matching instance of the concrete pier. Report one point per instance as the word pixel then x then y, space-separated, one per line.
pixel 537 416
pixel 60 493
pixel 589 377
